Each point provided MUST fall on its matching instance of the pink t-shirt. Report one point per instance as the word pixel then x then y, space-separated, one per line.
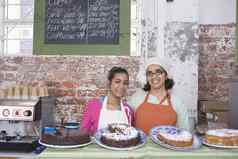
pixel 91 115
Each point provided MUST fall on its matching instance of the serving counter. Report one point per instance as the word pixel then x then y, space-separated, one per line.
pixel 16 155
pixel 149 151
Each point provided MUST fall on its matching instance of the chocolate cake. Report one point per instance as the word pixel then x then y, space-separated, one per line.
pixel 120 135
pixel 64 136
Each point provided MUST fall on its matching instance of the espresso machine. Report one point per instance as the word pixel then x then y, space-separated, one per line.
pixel 20 124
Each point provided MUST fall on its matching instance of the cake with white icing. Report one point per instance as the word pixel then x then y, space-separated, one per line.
pixel 175 137
pixel 223 137
pixel 120 135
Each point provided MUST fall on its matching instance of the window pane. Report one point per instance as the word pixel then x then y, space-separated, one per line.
pixel 13 12
pixel 12 1
pixel 26 47
pixel 14 47
pixel 28 2
pixel 24 2
pixel 19 12
pixel 27 12
pixel 19 32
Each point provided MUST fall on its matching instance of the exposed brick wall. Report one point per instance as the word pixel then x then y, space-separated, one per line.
pixel 217 53
pixel 73 79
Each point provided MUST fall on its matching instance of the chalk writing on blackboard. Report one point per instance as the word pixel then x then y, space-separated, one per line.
pixel 82 21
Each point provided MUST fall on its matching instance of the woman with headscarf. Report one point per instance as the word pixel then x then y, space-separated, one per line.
pixel 155 105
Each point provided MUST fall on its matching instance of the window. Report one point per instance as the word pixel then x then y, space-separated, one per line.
pixel 16 27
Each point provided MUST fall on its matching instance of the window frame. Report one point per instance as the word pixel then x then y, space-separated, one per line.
pixel 12 23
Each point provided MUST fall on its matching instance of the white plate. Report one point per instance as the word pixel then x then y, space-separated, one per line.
pixel 65 146
pixel 154 132
pixel 219 146
pixel 98 141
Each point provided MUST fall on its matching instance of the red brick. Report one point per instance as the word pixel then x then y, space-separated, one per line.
pixel 68 84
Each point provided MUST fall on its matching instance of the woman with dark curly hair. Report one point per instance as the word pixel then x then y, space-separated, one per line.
pixel 155 105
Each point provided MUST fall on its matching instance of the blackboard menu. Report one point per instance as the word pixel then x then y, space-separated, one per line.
pixel 82 21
